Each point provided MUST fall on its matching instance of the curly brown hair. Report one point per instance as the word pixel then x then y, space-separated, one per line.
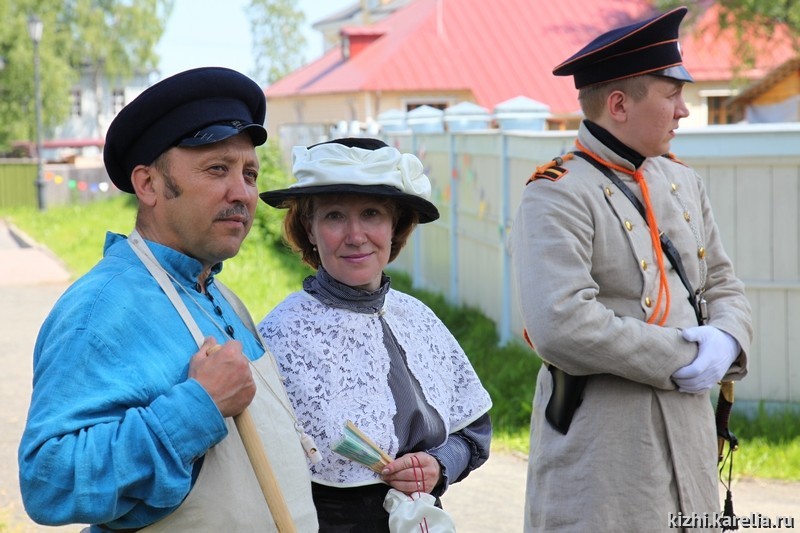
pixel 301 210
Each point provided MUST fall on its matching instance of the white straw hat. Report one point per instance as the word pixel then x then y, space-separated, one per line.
pixel 358 166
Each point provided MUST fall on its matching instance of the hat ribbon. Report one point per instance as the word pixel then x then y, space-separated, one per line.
pixel 333 164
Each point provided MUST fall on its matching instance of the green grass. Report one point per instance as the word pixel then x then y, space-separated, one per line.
pixel 75 233
pixel 264 272
pixel 769 443
pixel 507 372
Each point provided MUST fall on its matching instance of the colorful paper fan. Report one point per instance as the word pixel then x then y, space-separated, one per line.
pixel 357 447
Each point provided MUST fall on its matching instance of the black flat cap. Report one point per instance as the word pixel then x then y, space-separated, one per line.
pixel 646 47
pixel 196 107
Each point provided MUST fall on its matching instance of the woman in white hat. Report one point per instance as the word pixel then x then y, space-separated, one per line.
pixel 352 348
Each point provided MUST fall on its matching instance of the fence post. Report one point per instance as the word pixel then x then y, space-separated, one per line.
pixel 416 264
pixel 505 259
pixel 454 203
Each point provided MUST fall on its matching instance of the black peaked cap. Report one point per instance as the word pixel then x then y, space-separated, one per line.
pixel 646 47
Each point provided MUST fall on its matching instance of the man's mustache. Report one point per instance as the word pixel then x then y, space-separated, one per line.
pixel 237 210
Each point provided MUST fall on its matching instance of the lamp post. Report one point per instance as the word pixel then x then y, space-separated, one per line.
pixel 35 28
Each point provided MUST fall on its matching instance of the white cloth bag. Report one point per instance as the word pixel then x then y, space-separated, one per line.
pixel 416 513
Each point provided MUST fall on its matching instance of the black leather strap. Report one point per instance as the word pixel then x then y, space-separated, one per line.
pixel 666 244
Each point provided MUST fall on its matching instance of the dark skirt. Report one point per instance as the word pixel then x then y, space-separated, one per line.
pixel 351 510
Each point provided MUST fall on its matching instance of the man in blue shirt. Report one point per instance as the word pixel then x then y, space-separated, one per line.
pixel 142 362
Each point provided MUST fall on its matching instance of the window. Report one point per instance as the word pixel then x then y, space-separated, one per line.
pixel 345 47
pixel 720 111
pixel 76 104
pixel 117 100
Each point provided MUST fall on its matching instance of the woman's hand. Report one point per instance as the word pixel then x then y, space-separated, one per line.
pixel 413 472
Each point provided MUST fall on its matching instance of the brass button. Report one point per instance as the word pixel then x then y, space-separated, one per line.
pixel 628 225
pixel 648 302
pixel 609 192
pixel 687 216
pixel 701 252
pixel 644 264
pixel 674 187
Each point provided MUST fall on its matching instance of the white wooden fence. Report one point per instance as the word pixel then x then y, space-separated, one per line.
pixel 753 178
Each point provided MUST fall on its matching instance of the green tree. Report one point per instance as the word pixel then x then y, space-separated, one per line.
pixel 105 38
pixel 17 104
pixel 747 19
pixel 278 42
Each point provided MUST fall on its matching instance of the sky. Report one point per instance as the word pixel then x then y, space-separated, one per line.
pixel 215 33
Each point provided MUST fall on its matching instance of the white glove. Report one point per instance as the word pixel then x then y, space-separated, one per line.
pixel 716 353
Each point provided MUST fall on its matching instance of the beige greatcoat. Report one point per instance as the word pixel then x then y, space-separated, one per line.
pixel 637 448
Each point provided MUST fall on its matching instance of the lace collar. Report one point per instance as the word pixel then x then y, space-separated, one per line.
pixel 330 292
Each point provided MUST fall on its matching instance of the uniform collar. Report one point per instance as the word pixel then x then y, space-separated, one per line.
pixel 615 145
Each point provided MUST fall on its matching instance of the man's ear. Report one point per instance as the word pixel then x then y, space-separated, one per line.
pixel 617 106
pixel 143 186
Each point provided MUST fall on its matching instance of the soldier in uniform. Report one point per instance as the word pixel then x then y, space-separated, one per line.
pixel 623 433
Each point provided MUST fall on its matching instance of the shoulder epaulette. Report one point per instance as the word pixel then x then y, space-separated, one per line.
pixel 671 157
pixel 552 170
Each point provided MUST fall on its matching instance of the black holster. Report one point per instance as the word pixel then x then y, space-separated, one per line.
pixel 567 395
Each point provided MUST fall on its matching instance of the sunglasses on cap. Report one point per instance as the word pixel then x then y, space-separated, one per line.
pixel 221 131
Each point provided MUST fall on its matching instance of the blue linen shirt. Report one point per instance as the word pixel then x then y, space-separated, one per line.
pixel 115 428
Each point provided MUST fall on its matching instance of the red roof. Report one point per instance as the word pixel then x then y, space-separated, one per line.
pixel 498 49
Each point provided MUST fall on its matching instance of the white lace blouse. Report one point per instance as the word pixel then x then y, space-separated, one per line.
pixel 337 368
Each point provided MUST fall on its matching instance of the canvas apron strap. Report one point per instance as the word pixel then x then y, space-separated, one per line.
pixel 226 495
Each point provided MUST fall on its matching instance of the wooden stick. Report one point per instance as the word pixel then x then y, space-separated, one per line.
pixel 266 477
pixel 263 470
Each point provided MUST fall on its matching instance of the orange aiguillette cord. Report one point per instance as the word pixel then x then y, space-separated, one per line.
pixel 663 287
